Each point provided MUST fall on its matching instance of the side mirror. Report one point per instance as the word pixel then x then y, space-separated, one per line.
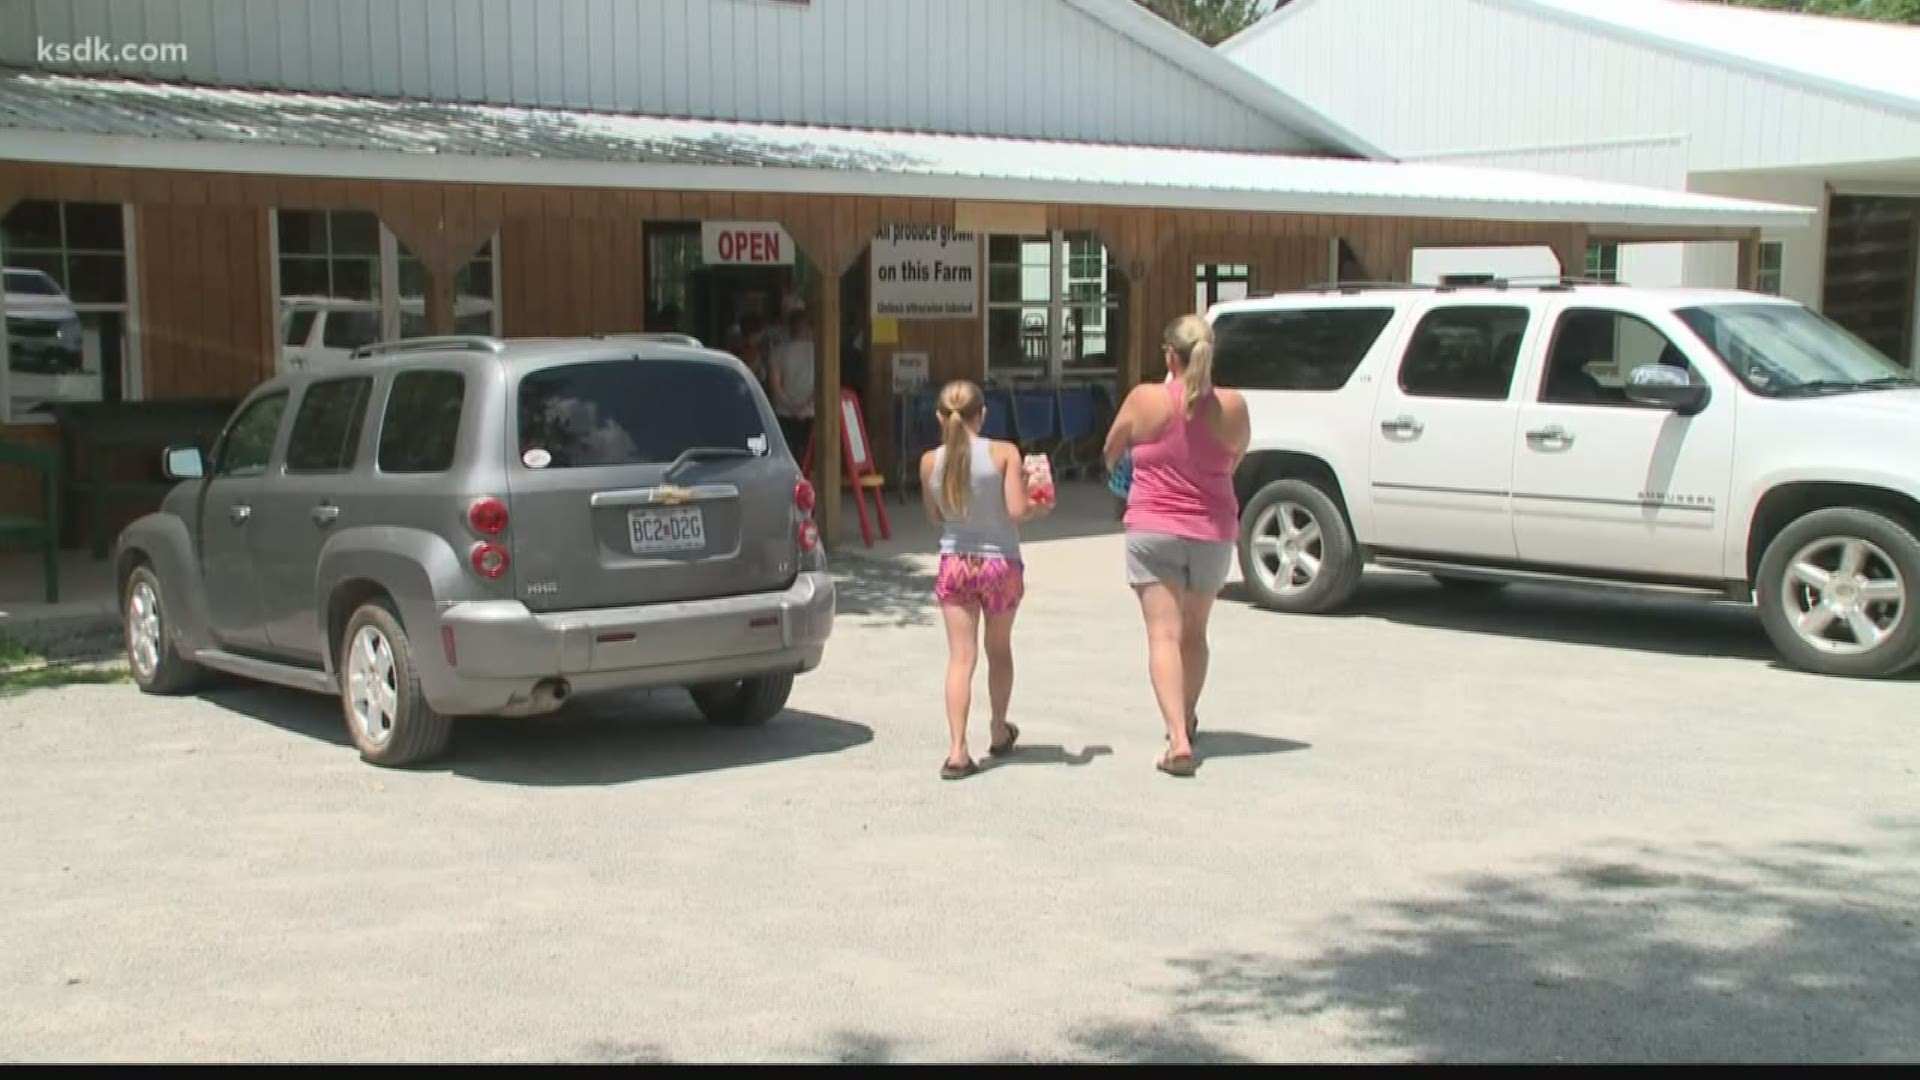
pixel 1666 387
pixel 183 463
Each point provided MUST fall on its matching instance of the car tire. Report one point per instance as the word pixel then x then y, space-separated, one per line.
pixel 743 702
pixel 387 715
pixel 1469 586
pixel 152 656
pixel 1315 567
pixel 1871 567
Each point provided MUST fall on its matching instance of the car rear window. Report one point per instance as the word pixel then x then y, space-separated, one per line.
pixel 631 412
pixel 421 427
pixel 1294 350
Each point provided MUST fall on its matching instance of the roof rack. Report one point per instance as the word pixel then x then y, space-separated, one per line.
pixel 661 336
pixel 469 342
pixel 1362 286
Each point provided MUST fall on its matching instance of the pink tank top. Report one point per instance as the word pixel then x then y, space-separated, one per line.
pixel 1183 478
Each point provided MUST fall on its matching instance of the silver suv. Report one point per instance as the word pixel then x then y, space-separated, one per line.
pixel 468 526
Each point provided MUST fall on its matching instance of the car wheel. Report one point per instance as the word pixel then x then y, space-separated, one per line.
pixel 1837 591
pixel 743 702
pixel 1470 586
pixel 387 714
pixel 158 667
pixel 1296 551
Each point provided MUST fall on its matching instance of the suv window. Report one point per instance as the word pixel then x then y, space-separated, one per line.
pixel 625 412
pixel 326 429
pixel 1294 350
pixel 248 443
pixel 421 427
pixel 299 326
pixel 350 329
pixel 1464 352
pixel 1594 351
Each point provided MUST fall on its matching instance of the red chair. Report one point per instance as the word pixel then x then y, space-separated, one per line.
pixel 860 473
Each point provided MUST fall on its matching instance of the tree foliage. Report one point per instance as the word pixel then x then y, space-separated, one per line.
pixel 1212 21
pixel 1901 11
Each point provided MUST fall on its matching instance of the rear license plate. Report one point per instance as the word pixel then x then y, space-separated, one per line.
pixel 655 531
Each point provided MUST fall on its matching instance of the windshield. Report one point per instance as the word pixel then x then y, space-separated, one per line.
pixel 31 283
pixel 1785 350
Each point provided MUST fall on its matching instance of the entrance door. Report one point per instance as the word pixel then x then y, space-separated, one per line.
pixel 1873 271
pixel 228 506
pixel 1602 483
pixel 1443 431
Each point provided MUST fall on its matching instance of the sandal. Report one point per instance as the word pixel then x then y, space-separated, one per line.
pixel 1181 765
pixel 950 771
pixel 1002 749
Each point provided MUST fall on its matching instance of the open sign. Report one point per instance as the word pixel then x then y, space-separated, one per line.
pixel 745 243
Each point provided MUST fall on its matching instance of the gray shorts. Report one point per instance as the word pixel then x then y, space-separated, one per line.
pixel 1194 565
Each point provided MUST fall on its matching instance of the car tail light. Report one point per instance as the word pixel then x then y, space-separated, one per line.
pixel 488 516
pixel 803 499
pixel 808 535
pixel 489 560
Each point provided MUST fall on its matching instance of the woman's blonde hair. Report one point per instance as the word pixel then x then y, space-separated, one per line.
pixel 960 404
pixel 1191 338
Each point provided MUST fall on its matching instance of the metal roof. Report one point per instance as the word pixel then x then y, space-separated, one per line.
pixel 1870 61
pixel 123 122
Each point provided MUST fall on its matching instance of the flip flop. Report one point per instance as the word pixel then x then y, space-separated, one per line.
pixel 1002 749
pixel 950 771
pixel 1181 765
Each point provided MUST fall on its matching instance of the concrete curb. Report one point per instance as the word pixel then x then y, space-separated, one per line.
pixel 73 639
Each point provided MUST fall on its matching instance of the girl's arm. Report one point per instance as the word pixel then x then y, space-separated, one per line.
pixel 929 498
pixel 1239 424
pixel 1014 481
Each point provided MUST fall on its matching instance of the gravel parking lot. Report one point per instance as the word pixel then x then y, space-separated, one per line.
pixel 1536 826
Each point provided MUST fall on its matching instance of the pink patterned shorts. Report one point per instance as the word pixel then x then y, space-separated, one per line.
pixel 995 584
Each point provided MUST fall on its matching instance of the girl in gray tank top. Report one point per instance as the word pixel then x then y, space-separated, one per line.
pixel 975 489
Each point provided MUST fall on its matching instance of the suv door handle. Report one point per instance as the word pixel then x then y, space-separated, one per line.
pixel 238 513
pixel 325 514
pixel 1552 433
pixel 1402 425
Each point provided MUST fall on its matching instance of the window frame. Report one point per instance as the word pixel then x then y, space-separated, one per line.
pixel 1777 272
pixel 1419 324
pixel 132 380
pixel 1068 253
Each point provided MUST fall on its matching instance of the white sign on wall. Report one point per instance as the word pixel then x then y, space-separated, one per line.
pixel 745 243
pixel 924 272
pixel 909 370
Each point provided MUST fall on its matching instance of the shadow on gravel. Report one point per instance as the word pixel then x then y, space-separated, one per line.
pixel 1804 953
pixel 1675 627
pixel 889 590
pixel 599 740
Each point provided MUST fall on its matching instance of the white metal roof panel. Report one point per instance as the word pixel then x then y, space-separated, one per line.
pixel 114 121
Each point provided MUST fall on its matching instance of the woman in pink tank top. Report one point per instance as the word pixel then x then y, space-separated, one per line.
pixel 1186 438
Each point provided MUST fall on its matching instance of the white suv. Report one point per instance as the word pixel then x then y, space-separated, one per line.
pixel 1722 444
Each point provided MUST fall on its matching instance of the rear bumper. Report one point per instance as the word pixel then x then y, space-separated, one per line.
pixel 500 651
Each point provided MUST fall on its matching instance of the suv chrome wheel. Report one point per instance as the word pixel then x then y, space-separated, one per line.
pixel 373 691
pixel 1288 548
pixel 1843 595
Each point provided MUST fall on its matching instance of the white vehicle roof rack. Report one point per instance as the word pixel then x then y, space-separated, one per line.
pixel 468 342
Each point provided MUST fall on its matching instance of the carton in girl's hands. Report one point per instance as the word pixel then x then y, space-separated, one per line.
pixel 1039 470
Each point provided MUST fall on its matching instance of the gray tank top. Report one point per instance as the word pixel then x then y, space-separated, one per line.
pixel 986 530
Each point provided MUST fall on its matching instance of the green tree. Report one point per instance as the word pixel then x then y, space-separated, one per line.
pixel 1212 21
pixel 1901 11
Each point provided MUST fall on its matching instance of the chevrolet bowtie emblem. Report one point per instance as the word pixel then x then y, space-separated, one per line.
pixel 671 495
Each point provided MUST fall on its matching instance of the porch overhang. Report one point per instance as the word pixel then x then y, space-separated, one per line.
pixel 124 123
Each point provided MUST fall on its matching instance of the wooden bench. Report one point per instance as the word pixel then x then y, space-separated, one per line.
pixel 43 531
pixel 96 436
